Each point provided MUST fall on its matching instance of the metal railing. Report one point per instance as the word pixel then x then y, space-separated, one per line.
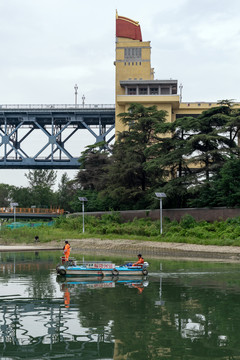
pixel 55 106
pixel 40 211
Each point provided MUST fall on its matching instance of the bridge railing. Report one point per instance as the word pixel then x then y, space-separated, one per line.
pixel 55 106
pixel 40 211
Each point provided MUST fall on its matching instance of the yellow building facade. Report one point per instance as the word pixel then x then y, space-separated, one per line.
pixel 135 83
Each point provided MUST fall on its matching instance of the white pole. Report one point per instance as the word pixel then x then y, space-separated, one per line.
pixel 180 97
pixel 83 215
pixel 14 212
pixel 76 94
pixel 161 215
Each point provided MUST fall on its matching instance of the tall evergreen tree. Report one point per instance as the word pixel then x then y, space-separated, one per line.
pixel 42 178
pixel 94 161
pixel 223 189
pixel 5 194
pixel 210 145
pixel 63 193
pixel 195 149
pixel 172 156
pixel 41 183
pixel 131 180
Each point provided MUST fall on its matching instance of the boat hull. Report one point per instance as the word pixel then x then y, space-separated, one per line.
pixel 105 270
pixel 124 271
pixel 78 271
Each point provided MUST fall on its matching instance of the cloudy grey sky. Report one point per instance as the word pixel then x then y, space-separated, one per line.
pixel 49 45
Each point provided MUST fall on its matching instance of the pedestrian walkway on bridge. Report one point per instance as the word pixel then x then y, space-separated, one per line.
pixel 8 212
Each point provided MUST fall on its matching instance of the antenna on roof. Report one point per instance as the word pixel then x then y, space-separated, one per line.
pixel 180 87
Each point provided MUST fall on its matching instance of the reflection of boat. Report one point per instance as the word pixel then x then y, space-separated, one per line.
pixel 99 282
pixel 87 282
pixel 73 285
pixel 100 268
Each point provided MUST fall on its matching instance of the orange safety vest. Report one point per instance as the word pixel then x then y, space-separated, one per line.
pixel 140 288
pixel 66 298
pixel 67 251
pixel 140 261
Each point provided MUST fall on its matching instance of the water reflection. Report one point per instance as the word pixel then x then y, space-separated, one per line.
pixel 181 311
pixel 76 285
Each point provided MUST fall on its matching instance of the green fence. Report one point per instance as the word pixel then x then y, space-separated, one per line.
pixel 16 225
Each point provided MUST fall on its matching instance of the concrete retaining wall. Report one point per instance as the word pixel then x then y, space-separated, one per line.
pixel 207 214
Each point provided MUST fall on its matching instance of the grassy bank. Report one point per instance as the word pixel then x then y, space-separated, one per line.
pixel 112 227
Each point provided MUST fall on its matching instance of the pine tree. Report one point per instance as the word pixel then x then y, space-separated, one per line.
pixel 131 179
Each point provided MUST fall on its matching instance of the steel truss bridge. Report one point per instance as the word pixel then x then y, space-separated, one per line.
pixel 42 136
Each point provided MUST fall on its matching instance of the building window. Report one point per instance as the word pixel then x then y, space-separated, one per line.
pixel 133 54
pixel 132 91
pixel 165 90
pixel 143 91
pixel 174 90
pixel 153 91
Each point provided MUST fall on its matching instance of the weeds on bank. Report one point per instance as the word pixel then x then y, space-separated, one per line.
pixel 111 226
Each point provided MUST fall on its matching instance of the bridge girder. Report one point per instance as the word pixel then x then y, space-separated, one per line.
pixel 56 128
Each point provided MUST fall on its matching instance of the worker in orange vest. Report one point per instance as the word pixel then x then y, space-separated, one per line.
pixel 66 250
pixel 140 260
pixel 139 287
pixel 66 295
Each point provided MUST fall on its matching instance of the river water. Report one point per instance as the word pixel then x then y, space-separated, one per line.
pixel 182 310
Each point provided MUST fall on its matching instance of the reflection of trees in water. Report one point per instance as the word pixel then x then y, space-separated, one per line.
pixel 203 320
pixel 33 264
pixel 195 320
pixel 128 312
pixel 41 286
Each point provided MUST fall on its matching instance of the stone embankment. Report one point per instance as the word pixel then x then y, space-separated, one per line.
pixel 133 247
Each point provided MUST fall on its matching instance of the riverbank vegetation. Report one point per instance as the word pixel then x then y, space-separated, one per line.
pixel 111 226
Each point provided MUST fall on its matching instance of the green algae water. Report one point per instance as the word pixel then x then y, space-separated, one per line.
pixel 182 310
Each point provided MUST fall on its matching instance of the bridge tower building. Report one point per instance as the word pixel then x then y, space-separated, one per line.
pixel 134 75
pixel 135 81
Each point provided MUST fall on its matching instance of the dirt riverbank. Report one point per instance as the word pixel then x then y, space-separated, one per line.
pixel 133 247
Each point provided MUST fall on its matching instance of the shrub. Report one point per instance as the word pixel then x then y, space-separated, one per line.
pixel 187 221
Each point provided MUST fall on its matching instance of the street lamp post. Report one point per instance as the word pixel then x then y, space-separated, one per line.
pixel 13 205
pixel 160 196
pixel 83 100
pixel 83 200
pixel 33 207
pixel 76 94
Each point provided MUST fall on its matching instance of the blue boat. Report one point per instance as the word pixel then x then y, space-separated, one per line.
pixel 100 268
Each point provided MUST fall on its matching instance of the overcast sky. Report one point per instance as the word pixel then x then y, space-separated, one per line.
pixel 48 46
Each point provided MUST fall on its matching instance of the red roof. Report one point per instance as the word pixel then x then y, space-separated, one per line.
pixel 128 28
